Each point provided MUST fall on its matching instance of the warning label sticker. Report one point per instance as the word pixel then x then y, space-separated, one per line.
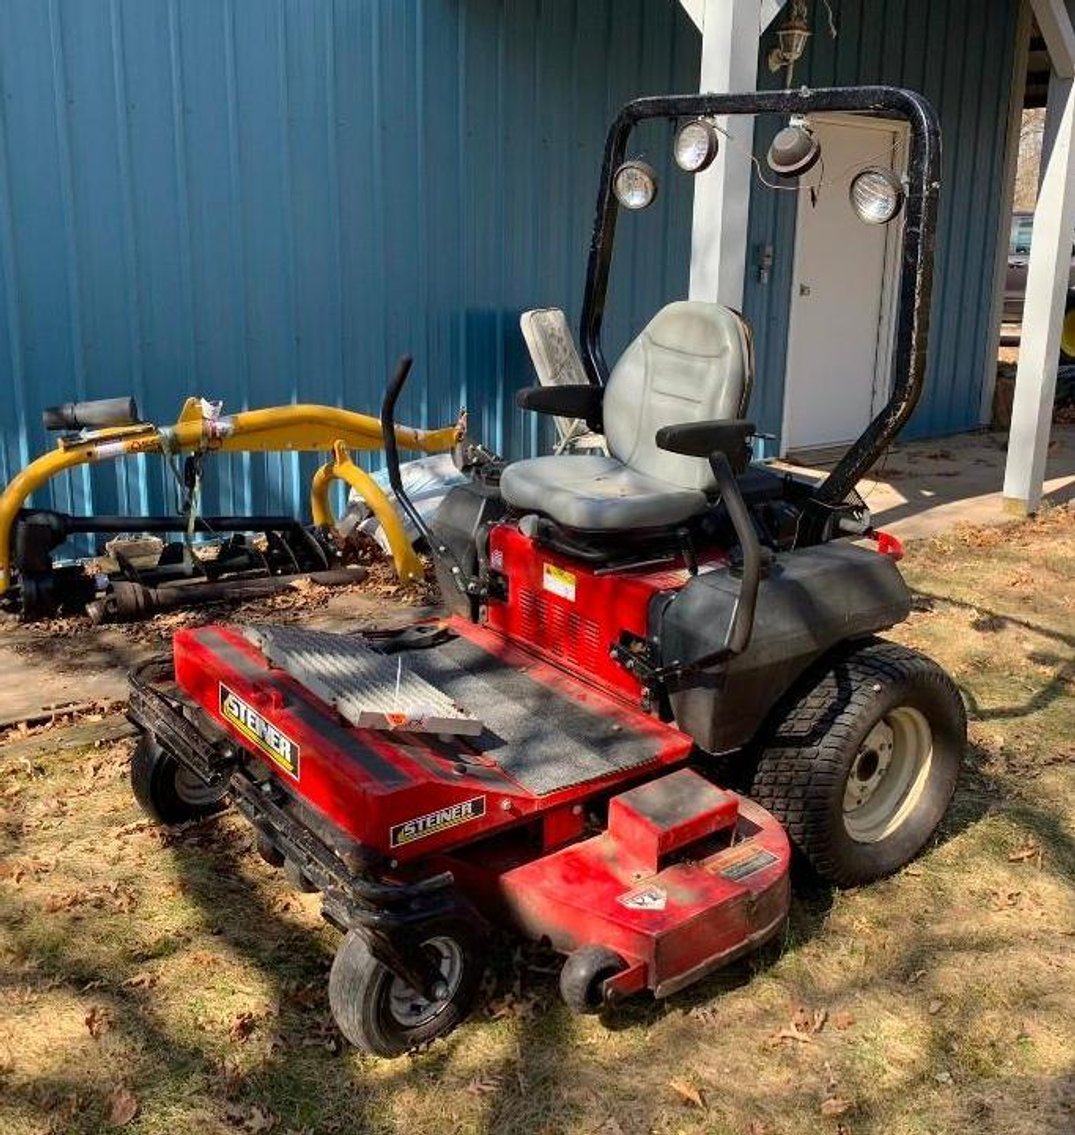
pixel 559 582
pixel 746 863
pixel 649 898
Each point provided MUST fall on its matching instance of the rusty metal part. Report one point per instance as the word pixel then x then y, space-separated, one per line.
pixel 126 601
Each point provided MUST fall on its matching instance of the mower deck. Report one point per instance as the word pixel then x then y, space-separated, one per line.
pixel 546 741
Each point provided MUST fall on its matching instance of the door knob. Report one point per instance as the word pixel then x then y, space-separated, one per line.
pixel 804 289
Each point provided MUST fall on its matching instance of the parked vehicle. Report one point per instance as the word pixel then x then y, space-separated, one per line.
pixel 545 758
pixel 1015 283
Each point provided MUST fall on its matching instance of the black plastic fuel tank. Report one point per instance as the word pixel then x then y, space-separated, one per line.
pixel 812 599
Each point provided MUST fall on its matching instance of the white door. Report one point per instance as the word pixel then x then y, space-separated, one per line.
pixel 842 293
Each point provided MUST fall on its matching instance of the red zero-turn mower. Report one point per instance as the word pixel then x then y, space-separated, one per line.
pixel 543 758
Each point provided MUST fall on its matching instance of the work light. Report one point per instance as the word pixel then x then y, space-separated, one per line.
pixel 794 151
pixel 635 185
pixel 696 145
pixel 877 195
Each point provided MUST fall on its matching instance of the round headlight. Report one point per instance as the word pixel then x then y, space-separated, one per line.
pixel 794 151
pixel 877 195
pixel 696 145
pixel 635 185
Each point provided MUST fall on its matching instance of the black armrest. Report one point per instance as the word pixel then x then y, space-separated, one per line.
pixel 703 439
pixel 565 402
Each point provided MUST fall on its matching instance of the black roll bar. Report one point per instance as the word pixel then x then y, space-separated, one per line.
pixel 916 273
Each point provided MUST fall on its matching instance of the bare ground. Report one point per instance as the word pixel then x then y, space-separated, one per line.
pixel 171 982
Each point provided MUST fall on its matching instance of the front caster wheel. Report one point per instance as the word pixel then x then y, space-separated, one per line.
pixel 380 1013
pixel 584 974
pixel 167 790
pixel 862 767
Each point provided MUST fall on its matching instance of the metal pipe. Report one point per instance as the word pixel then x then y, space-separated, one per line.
pixel 916 276
pixel 126 601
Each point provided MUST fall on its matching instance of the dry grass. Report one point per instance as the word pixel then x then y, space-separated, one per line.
pixel 176 974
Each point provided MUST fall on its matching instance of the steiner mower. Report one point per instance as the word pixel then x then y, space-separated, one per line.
pixel 544 758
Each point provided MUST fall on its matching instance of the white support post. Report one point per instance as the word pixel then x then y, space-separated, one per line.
pixel 731 31
pixel 1043 310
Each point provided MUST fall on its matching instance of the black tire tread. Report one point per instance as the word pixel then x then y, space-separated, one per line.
pixel 804 755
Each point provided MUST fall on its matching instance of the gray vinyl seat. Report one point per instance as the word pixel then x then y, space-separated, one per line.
pixel 691 363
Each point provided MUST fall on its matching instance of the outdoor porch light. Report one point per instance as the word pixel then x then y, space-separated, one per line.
pixel 794 151
pixel 696 145
pixel 877 195
pixel 791 39
pixel 635 185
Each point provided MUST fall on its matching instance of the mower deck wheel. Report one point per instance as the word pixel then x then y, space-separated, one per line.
pixel 861 766
pixel 167 790
pixel 380 1013
pixel 584 974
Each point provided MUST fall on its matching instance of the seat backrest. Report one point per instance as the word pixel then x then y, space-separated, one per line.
pixel 691 363
pixel 557 363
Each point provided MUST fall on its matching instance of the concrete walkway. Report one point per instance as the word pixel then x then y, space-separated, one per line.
pixel 923 488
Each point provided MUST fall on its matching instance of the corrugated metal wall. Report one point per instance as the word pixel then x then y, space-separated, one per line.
pixel 267 201
pixel 960 54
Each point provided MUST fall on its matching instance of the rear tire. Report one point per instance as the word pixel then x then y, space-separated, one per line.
pixel 167 791
pixel 862 765
pixel 380 1014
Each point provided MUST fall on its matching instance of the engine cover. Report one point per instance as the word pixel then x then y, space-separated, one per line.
pixel 572 613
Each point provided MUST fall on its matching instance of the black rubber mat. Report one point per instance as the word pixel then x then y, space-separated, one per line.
pixel 539 737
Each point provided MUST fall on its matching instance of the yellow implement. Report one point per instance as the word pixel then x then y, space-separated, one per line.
pixel 275 429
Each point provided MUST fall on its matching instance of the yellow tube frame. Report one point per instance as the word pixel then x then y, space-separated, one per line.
pixel 342 468
pixel 307 428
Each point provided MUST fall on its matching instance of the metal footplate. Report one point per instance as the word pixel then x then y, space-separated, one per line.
pixel 367 688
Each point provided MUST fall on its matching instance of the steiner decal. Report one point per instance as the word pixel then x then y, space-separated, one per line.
pixel 421 827
pixel 277 746
pixel 558 581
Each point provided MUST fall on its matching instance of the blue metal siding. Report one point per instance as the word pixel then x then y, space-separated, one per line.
pixel 268 201
pixel 960 54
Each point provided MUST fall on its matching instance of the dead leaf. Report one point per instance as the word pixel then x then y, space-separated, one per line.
pixel 98 1021
pixel 935 1007
pixel 833 1106
pixel 757 1128
pixel 842 1020
pixel 122 1107
pixel 259 1120
pixel 943 1077
pixel 242 1025
pixel 1028 850
pixel 819 1019
pixel 916 976
pixel 789 1034
pixel 140 981
pixel 483 1085
pixel 801 1019
pixel 687 1091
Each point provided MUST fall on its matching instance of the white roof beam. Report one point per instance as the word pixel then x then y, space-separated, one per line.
pixel 1043 309
pixel 770 9
pixel 732 29
pixel 1054 20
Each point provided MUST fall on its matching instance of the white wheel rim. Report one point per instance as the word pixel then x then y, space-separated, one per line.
pixel 888 775
pixel 409 1008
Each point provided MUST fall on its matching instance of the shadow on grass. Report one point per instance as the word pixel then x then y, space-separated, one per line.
pixel 987 621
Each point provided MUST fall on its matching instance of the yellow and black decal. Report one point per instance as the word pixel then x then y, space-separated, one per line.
pixel 276 745
pixel 421 827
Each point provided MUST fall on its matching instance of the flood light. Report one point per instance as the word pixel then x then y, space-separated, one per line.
pixel 794 150
pixel 877 195
pixel 635 185
pixel 696 145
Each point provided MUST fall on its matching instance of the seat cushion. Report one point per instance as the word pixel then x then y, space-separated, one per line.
pixel 691 363
pixel 597 493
